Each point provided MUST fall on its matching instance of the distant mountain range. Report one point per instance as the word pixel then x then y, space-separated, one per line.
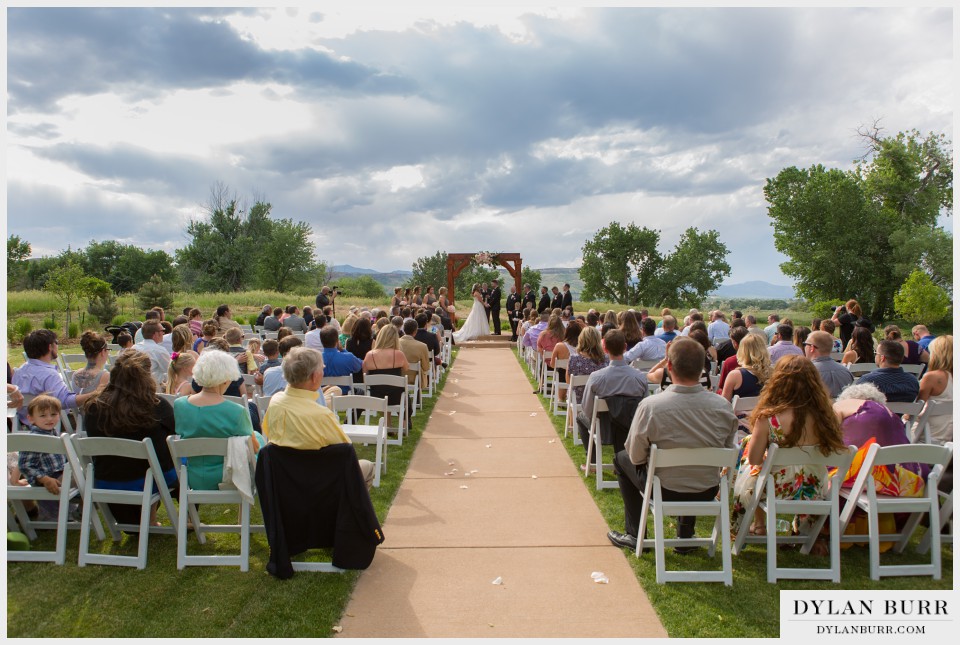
pixel 558 276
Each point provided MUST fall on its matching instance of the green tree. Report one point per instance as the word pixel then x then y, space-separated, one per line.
pixel 286 255
pixel 362 286
pixel 618 262
pixel 861 233
pixel 921 300
pixel 429 271
pixel 155 292
pixel 69 285
pixel 531 277
pixel 18 251
pixel 102 258
pixel 696 267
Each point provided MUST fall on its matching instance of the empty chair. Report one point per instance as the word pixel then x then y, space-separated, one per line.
pixel 352 405
pixel 560 407
pixel 935 423
pixel 573 407
pixel 863 496
pixel 719 509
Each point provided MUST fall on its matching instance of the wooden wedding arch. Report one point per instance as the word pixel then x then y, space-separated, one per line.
pixel 457 262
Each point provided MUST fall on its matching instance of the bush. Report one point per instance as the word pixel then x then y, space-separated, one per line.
pixel 921 300
pixel 118 320
pixel 22 327
pixel 103 307
pixel 822 308
pixel 50 323
pixel 155 292
pixel 73 330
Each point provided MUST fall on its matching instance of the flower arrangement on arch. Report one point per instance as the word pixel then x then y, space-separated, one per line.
pixel 485 258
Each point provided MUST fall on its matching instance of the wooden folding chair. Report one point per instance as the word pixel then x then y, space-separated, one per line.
pixel 184 449
pixel 765 499
pixel 16 495
pixel 366 434
pixel 724 459
pixel 863 496
pixel 90 447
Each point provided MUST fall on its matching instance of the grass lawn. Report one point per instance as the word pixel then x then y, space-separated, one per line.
pixel 752 607
pixel 44 600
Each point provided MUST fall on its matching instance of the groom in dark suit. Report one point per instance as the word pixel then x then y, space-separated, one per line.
pixel 567 299
pixel 493 301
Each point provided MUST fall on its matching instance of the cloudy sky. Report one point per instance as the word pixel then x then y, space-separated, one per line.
pixel 397 133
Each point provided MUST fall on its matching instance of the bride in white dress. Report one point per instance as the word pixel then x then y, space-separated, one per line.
pixel 476 324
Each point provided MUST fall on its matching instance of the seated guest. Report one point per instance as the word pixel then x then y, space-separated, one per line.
pixel 532 335
pixel 753 327
pixel 361 340
pixel 897 385
pixel 565 351
pixel 129 408
pixel 294 418
pixel 312 339
pixel 294 320
pixel 618 379
pixel 737 334
pixel 308 317
pixel 150 345
pixel 685 416
pixel 209 414
pixel 651 347
pixel 913 354
pixel 754 369
pixel 937 385
pixel 588 359
pixel 346 330
pixel 39 375
pixel 669 328
pixel 272 323
pixel 386 357
pixel 245 359
pixel 125 341
pixel 181 340
pixel 153 314
pixel 428 336
pixel 180 374
pixel 835 376
pixel 415 351
pixel 922 335
pixel 336 360
pixel 718 329
pixel 271 351
pixel 771 329
pixel 43 468
pixel 94 374
pixel 283 332
pixel 782 344
pixel 264 312
pixel 794 410
pixel 860 348
pixel 195 320
pixel 272 381
pixel 631 329
pixel 659 373
pixel 800 336
pixel 725 348
pixel 549 337
pixel 208 334
pixel 829 327
pixel 224 319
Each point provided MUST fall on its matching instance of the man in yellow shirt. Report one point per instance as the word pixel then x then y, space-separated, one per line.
pixel 295 419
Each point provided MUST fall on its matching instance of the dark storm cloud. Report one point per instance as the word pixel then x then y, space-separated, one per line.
pixel 55 52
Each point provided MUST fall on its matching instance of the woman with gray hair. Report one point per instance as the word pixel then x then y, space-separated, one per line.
pixel 864 421
pixel 209 414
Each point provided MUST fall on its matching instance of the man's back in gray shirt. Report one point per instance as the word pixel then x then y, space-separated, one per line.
pixel 835 376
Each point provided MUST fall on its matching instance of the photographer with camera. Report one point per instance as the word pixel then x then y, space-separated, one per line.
pixel 327 296
pixel 845 317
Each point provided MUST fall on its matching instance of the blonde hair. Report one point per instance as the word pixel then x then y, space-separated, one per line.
pixel 387 338
pixel 348 323
pixel 753 355
pixel 941 354
pixel 181 362
pixel 589 344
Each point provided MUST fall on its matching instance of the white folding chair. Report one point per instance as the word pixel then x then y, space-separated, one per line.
pixel 724 459
pixel 413 389
pixel 915 369
pixel 181 449
pixel 263 402
pixel 642 365
pixel 90 447
pixel 447 345
pixel 342 381
pixel 547 373
pixel 352 405
pixel 432 376
pixel 595 446
pixel 249 380
pixel 743 404
pixel 921 428
pixel 17 494
pixel 837 356
pixel 946 517
pixel 63 426
pixel 169 398
pixel 559 407
pixel 400 410
pixel 765 499
pixel 863 496
pixel 578 380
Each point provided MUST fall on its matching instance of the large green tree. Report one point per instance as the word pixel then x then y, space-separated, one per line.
pixel 286 257
pixel 69 285
pixel 18 251
pixel 860 233
pixel 623 264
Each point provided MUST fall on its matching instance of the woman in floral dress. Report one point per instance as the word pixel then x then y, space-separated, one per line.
pixel 794 410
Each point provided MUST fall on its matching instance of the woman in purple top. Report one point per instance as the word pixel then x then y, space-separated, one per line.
pixel 588 359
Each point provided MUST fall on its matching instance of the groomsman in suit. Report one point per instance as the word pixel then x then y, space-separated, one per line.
pixel 544 300
pixel 557 302
pixel 512 300
pixel 567 300
pixel 529 297
pixel 493 301
pixel 485 298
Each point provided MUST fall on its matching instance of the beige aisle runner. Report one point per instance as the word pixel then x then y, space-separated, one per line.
pixel 514 509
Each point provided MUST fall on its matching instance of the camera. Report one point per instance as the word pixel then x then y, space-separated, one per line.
pixel 335 289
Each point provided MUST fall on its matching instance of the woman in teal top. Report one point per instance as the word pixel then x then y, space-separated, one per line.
pixel 208 414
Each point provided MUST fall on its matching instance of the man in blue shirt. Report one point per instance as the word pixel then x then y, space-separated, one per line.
pixel 923 336
pixel 39 374
pixel 337 361
pixel 897 385
pixel 669 329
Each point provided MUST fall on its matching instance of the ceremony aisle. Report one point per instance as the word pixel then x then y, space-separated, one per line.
pixel 492 533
